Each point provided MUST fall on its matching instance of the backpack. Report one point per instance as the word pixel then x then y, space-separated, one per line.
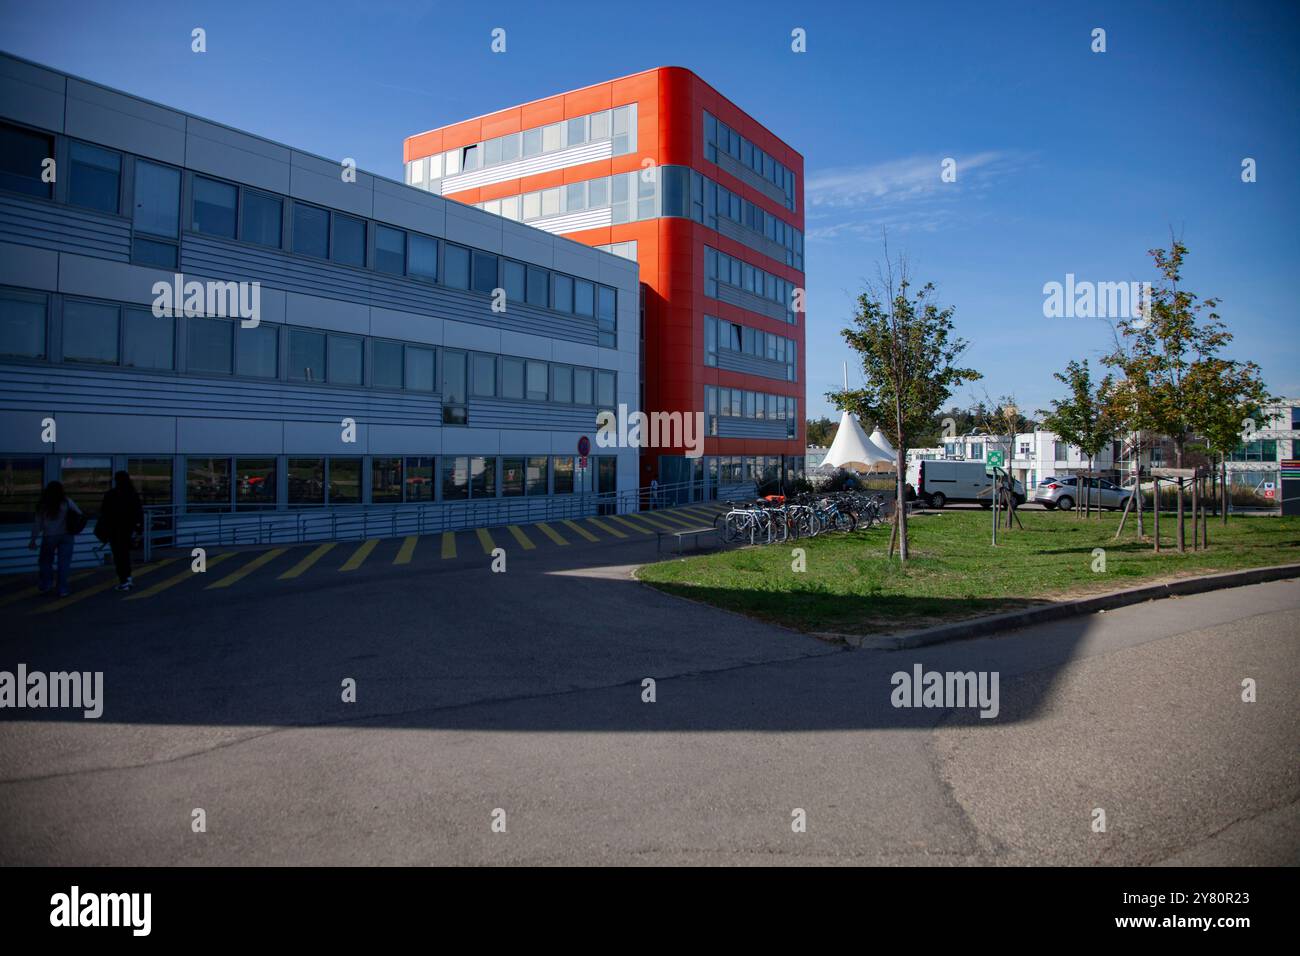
pixel 75 522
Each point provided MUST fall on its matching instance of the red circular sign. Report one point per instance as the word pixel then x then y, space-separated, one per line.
pixel 584 446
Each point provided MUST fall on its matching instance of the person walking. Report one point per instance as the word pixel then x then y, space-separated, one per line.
pixel 58 520
pixel 120 516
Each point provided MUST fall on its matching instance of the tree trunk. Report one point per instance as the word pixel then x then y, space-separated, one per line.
pixel 1223 486
pixel 1182 514
pixel 1155 507
pixel 901 464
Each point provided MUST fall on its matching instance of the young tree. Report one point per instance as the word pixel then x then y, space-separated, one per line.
pixel 1229 396
pixel 1084 419
pixel 908 354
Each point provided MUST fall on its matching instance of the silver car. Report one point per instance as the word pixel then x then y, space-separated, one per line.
pixel 1064 493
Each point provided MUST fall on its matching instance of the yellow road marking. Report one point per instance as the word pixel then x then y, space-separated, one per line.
pixel 672 521
pixel 316 554
pixel 605 527
pixel 639 528
pixel 486 541
pixel 359 556
pixel 104 586
pixel 175 579
pixel 580 530
pixel 448 544
pixel 28 592
pixel 236 576
pixel 522 538
pixel 407 551
pixel 550 532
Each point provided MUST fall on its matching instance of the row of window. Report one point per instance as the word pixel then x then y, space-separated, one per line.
pixel 110 333
pixel 739 403
pixel 721 334
pixel 733 469
pixel 618 125
pixel 721 138
pixel 230 211
pixel 624 250
pixel 629 196
pixel 720 267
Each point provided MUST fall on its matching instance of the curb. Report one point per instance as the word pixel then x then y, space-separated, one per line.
pixel 1014 620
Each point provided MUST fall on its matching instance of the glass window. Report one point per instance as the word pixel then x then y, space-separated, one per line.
pixel 207 484
pixel 583 383
pixel 152 478
pixel 96 177
pixel 577 131
pixel 513 272
pixel 536 372
pixel 89 332
pixel 419 369
pixel 551 139
pixel 551 202
pixel 349 236
pixel 22 324
pixel 600 125
pixel 211 345
pixel 564 475
pixel 157 199
pixel 390 250
pixel 584 297
pixel 254 483
pixel 306 481
pixel 311 230
pixel 532 206
pixel 385 480
pixel 471 158
pixel 306 356
pixel 345 481
pixel 532 142
pixel 485 272
pixel 455 266
pixel 604 389
pixel 257 351
pixel 538 287
pixel 455 477
pixel 535 475
pixel 386 364
pixel 149 342
pixel 512 477
pixel 563 293
pixel 510 208
pixel 419 479
pixel 345 354
pixel 598 193
pixel 512 378
pixel 453 377
pixel 485 375
pixel 263 216
pixel 509 147
pixel 575 197
pixel 561 383
pixel 424 256
pixel 22 157
pixel 452 157
pixel 482 477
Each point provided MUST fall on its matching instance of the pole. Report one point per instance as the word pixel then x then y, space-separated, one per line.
pixel 1155 494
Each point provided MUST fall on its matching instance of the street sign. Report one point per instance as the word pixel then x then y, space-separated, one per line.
pixel 1268 492
pixel 995 459
pixel 584 446
pixel 582 461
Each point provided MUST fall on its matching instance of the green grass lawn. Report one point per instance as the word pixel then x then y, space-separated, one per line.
pixel 851 588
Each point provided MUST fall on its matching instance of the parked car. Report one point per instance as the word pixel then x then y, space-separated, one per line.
pixel 1064 492
pixel 938 482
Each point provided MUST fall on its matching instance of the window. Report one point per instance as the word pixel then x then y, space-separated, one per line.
pixel 453 388
pixel 550 202
pixel 455 478
pixel 345 353
pixel 561 383
pixel 532 206
pixel 390 250
pixel 575 197
pixel 306 356
pixel 512 477
pixel 262 219
pixel 582 386
pixel 349 245
pixel 254 484
pixel 605 390
pixel 311 230
pixel 419 479
pixel 257 351
pixel 563 293
pixel 211 345
pixel 600 125
pixel 345 481
pixel 482 477
pixel 419 369
pixel 535 476
pixel 386 364
pixel 536 381
pixel 21 481
pixel 96 177
pixel 532 142
pixel 538 287
pixel 485 375
pixel 215 206
pixel 485 272
pixel 471 158
pixel 152 478
pixel 584 297
pixel 577 130
pixel 598 193
pixel 148 342
pixel 710 340
pixel 22 324
pixel 564 475
pixel 551 138
pixel 385 480
pixel 492 152
pixel 512 378
pixel 22 160
pixel 510 147
pixel 424 257
pixel 207 484
pixel 455 266
pixel 157 213
pixel 606 317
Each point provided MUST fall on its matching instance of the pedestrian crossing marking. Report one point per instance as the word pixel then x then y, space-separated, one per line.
pixel 550 532
pixel 103 586
pixel 30 591
pixel 178 578
pixel 359 556
pixel 316 554
pixel 236 576
pixel 524 541
pixel 580 530
pixel 640 529
pixel 448 545
pixel 407 550
pixel 486 541
pixel 604 527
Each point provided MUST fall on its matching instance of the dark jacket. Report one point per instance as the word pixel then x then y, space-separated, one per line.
pixel 119 515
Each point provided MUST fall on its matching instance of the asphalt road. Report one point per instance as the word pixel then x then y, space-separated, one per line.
pixel 522 692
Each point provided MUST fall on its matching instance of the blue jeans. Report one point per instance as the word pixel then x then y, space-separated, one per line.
pixel 51 544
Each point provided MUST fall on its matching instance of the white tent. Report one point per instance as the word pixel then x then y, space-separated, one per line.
pixel 881 442
pixel 852 449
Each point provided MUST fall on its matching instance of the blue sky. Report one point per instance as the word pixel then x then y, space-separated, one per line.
pixel 1068 161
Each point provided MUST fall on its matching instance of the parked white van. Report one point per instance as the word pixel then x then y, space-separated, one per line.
pixel 938 482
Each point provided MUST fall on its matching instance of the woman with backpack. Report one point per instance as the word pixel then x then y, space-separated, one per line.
pixel 120 516
pixel 58 521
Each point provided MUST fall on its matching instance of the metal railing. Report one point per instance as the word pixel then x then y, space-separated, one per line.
pixel 181 527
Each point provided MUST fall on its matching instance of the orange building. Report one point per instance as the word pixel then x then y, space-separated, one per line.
pixel 661 168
